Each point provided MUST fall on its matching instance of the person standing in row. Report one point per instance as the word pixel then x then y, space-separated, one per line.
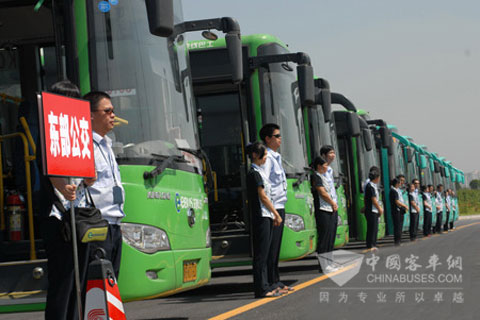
pixel 427 211
pixel 325 208
pixel 270 135
pixel 414 210
pixel 373 209
pixel 439 206
pixel 399 208
pixel 454 207
pixel 264 218
pixel 107 192
pixel 431 190
pixel 327 152
pixel 402 180
pixel 448 206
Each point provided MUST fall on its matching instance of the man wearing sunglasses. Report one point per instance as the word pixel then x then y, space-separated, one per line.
pixel 107 191
pixel 270 135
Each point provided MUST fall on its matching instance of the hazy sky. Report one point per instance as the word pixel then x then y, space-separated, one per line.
pixel 415 64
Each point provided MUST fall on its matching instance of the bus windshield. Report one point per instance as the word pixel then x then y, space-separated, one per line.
pixel 428 179
pixel 412 168
pixel 148 78
pixel 282 106
pixel 327 133
pixel 281 87
pixel 334 143
pixel 398 155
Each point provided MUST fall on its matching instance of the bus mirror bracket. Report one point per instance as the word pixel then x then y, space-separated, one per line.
pixel 233 39
pixel 160 17
pixel 304 72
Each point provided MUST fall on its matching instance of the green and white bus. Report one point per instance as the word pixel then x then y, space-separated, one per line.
pixel 136 51
pixel 229 117
pixel 320 131
pixel 358 153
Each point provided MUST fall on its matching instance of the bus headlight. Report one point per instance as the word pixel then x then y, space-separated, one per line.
pixel 208 238
pixel 294 222
pixel 145 238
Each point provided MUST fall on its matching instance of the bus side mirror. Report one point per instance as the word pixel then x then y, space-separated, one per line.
pixel 367 141
pixel 326 104
pixel 385 136
pixel 323 97
pixel 409 155
pixel 423 161
pixel 306 85
pixel 390 148
pixel 160 17
pixel 432 164
pixel 353 124
pixel 234 46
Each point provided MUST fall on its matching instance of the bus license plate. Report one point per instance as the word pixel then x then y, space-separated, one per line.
pixel 189 271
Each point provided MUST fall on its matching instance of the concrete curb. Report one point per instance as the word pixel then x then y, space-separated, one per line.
pixel 469 217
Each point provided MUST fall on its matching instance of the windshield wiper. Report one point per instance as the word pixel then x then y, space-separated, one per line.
pixel 166 161
pixel 303 176
pixel 197 153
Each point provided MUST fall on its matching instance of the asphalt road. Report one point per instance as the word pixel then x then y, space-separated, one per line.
pixel 432 278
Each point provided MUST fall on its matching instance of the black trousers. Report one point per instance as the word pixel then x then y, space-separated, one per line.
pixel 334 233
pixel 372 229
pixel 326 229
pixel 61 294
pixel 397 225
pixel 274 254
pixel 451 224
pixel 413 225
pixel 446 225
pixel 112 246
pixel 262 237
pixel 427 222
pixel 438 225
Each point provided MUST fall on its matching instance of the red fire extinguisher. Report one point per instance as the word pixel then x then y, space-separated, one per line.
pixel 15 212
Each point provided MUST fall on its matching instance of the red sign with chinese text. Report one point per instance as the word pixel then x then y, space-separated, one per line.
pixel 66 132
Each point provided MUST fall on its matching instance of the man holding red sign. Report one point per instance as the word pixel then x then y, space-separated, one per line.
pixel 61 298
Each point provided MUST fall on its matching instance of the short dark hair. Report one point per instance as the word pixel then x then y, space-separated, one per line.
pixel 267 130
pixel 326 149
pixel 256 147
pixel 318 161
pixel 394 182
pixel 423 188
pixel 95 97
pixel 400 176
pixel 415 181
pixel 430 185
pixel 374 173
pixel 65 88
pixel 439 185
